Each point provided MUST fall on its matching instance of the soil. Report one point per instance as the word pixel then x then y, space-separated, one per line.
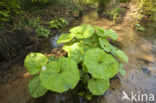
pixel 16 43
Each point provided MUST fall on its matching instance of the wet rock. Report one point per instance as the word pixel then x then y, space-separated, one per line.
pixel 146 71
pixel 145 61
pixel 53 41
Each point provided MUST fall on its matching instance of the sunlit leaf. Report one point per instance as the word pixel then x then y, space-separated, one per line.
pixel 105 44
pixel 60 76
pixel 34 62
pixel 120 54
pixel 100 64
pixel 106 33
pixel 75 51
pixel 121 70
pixel 92 41
pixel 64 38
pixel 112 34
pixel 35 88
pixel 84 31
pixel 100 31
pixel 98 86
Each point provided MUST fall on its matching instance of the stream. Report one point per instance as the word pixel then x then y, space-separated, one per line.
pixel 141 69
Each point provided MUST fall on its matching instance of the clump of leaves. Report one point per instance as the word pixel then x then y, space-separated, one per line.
pixel 146 7
pixel 89 47
pixel 42 31
pixel 8 8
pixel 34 23
pixel 139 27
pixel 58 23
pixel 115 13
pixel 53 74
pixel 91 61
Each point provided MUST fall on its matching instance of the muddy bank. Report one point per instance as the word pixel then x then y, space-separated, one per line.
pixel 17 43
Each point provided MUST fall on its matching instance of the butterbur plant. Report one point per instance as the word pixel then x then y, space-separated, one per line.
pixel 91 62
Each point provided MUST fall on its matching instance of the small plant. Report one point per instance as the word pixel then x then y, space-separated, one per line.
pixel 140 28
pixel 34 23
pixel 42 31
pixel 115 13
pixel 7 9
pixel 91 62
pixel 146 6
pixel 58 23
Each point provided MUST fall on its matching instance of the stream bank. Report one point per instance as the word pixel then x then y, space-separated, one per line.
pixel 141 68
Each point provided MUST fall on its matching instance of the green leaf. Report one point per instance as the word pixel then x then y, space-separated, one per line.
pixel 100 64
pixel 51 58
pixel 75 51
pixel 121 70
pixel 34 62
pixel 64 38
pixel 89 97
pixel 98 86
pixel 92 41
pixel 84 31
pixel 106 33
pixel 110 48
pixel 100 31
pixel 105 44
pixel 111 33
pixel 60 76
pixel 120 54
pixel 35 88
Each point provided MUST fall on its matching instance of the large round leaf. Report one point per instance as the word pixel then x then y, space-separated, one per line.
pixel 34 62
pixel 75 51
pixel 110 48
pixel 120 54
pixel 60 76
pixel 35 88
pixel 64 38
pixel 111 33
pixel 98 86
pixel 106 33
pixel 84 31
pixel 105 44
pixel 92 41
pixel 100 64
pixel 100 31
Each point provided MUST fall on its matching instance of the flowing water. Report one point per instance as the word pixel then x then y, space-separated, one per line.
pixel 141 68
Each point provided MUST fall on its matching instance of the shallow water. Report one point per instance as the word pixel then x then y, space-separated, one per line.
pixel 141 68
pixel 140 77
